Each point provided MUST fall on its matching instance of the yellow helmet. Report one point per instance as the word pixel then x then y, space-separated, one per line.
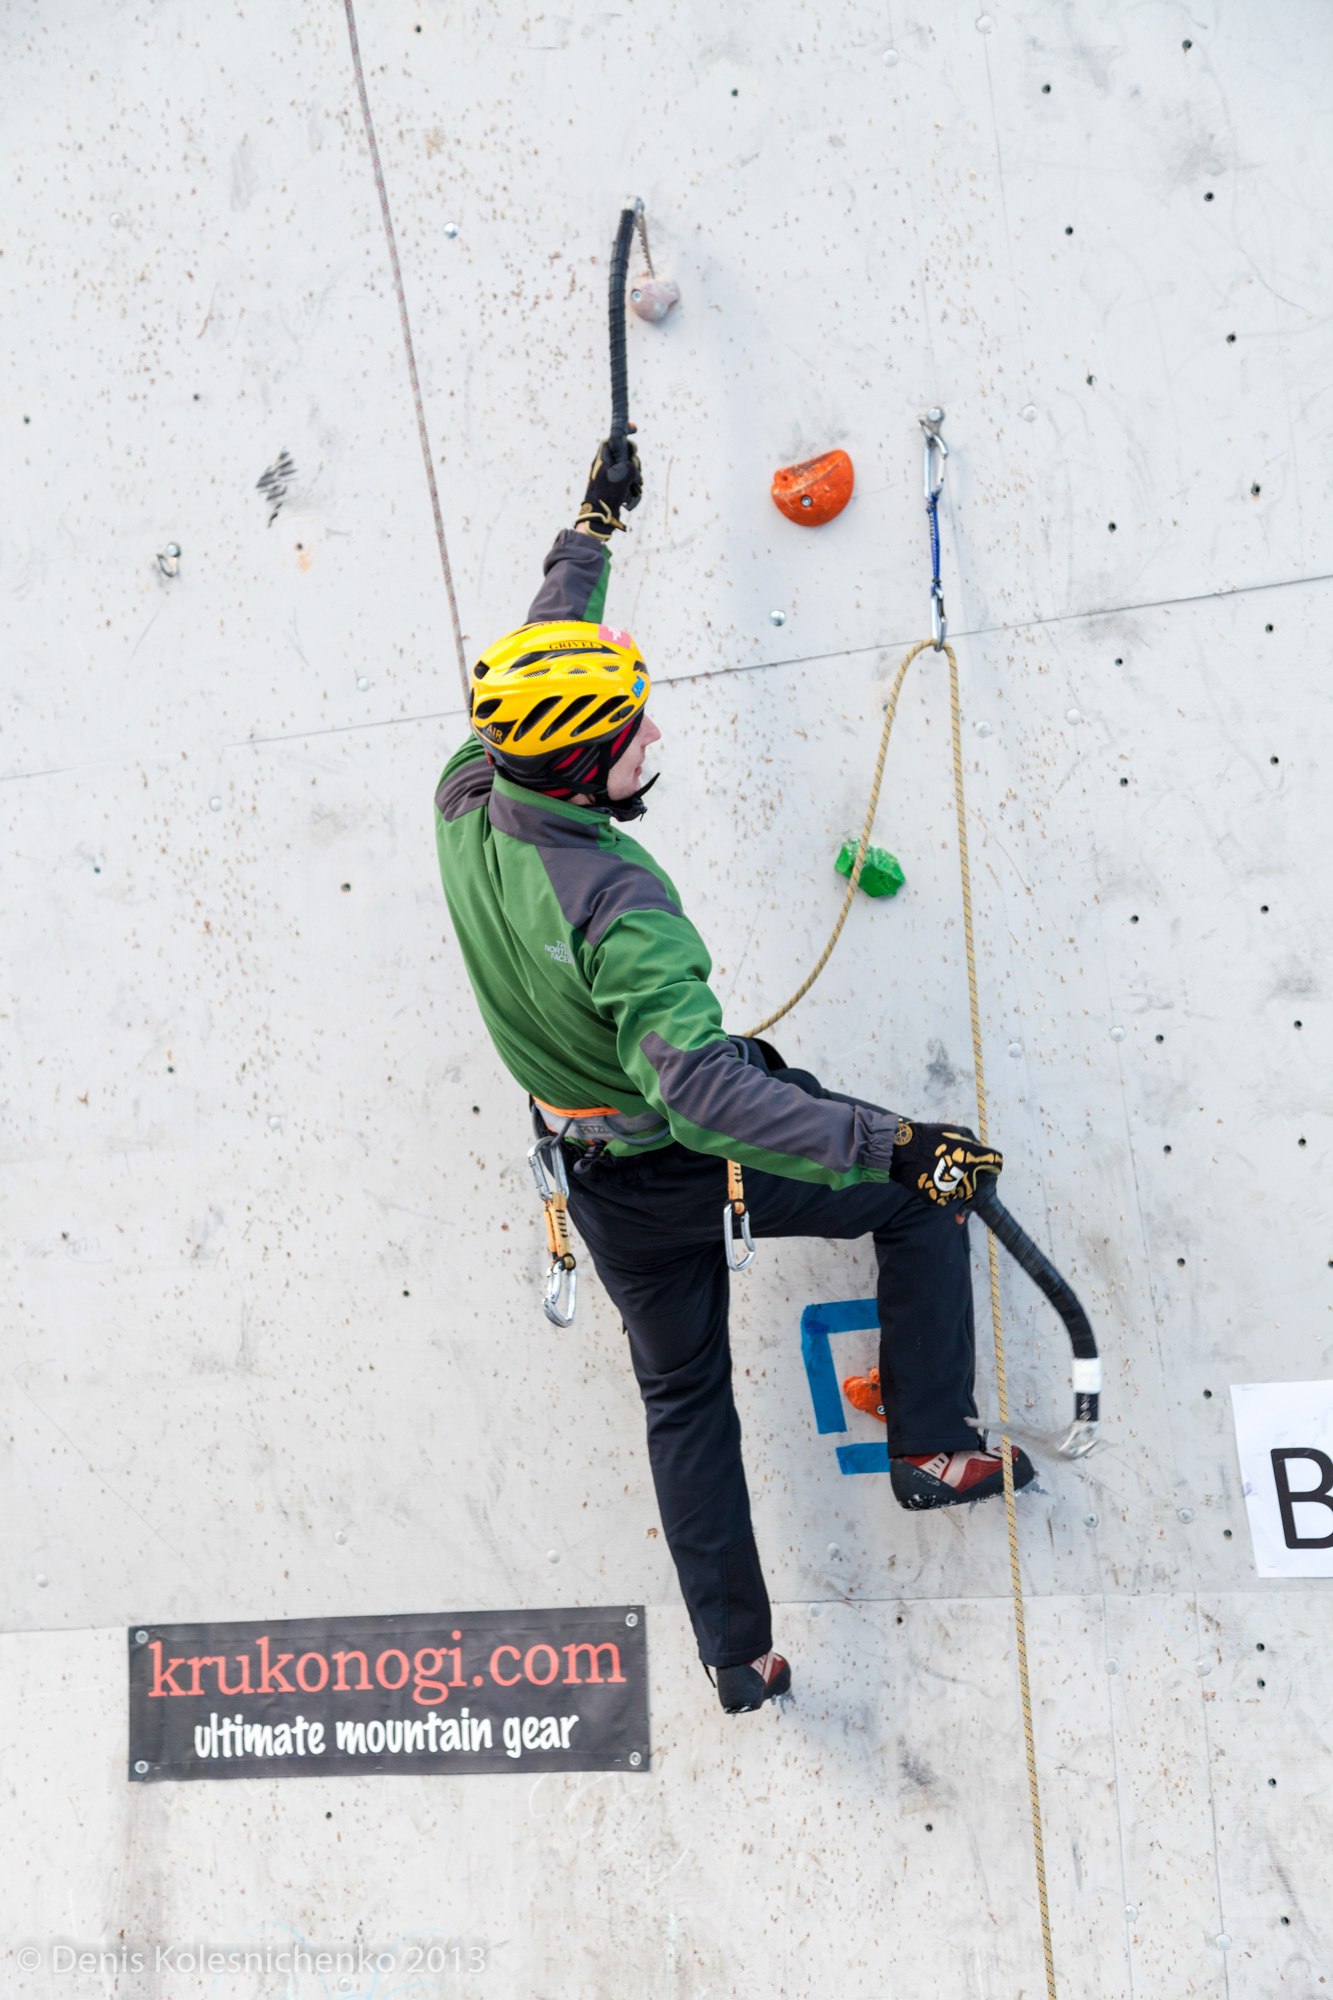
pixel 556 704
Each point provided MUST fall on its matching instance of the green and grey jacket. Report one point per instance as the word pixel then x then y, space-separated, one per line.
pixel 593 983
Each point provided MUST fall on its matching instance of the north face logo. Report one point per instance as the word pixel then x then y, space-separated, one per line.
pixel 561 953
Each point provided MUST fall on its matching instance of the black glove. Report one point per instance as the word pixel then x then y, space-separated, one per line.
pixel 613 482
pixel 941 1162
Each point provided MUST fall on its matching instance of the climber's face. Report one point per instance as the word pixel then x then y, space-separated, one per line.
pixel 627 772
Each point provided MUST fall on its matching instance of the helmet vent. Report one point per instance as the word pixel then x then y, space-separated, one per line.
pixel 566 715
pixel 536 715
pixel 485 709
pixel 609 711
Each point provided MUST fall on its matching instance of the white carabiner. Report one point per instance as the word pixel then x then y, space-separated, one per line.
pixel 930 425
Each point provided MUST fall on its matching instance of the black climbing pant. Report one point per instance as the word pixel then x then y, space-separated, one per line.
pixel 653 1226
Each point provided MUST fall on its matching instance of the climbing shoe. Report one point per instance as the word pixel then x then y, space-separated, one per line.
pixel 740 1689
pixel 951 1478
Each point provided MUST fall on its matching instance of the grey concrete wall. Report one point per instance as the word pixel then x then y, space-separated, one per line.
pixel 272 1265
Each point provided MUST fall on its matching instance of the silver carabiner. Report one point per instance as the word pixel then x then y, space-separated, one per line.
pixel 939 624
pixel 730 1239
pixel 561 1291
pixel 930 425
pixel 548 1167
pixel 561 1296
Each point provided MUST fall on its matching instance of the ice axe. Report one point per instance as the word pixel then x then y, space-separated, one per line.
pixel 1082 1433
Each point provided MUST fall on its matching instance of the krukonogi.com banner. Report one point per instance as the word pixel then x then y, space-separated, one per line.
pixel 448 1692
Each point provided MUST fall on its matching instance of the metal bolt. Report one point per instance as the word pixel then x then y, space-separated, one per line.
pixel 1113 1666
pixel 833 1549
pixel 636 295
pixel 340 1537
pixel 42 1581
pixel 141 1638
pixel 363 682
pixel 451 230
pixel 635 1759
pixel 1185 1513
pixel 215 805
pixel 984 24
pixel 1203 1666
pixel 1222 1941
pixel 141 1768
pixel 777 617
pixel 1029 413
pixel 275 1123
pixel 1073 715
pixel 169 559
pixel 1089 1520
pixel 117 219
pixel 935 416
pixel 1129 1913
pixel 631 1617
pixel 806 500
pixel 553 1555
pixel 891 58
pixel 1117 1034
pixel 984 729
pixel 1015 1049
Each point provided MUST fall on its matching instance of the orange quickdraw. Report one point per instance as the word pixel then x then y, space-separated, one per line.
pixel 562 1280
pixel 735 1211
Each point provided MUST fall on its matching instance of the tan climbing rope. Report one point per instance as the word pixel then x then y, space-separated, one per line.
pixel 997 1324
pixel 864 842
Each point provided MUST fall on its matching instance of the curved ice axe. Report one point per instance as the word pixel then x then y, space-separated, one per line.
pixel 1082 1433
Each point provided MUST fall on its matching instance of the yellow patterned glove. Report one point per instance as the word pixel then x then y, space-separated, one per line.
pixel 941 1162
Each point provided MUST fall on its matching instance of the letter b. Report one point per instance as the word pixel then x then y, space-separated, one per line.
pixel 1308 1495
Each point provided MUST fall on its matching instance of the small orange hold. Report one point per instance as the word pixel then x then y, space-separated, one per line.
pixel 864 1393
pixel 815 490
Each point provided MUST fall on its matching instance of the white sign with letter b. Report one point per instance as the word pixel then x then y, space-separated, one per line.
pixel 1284 1434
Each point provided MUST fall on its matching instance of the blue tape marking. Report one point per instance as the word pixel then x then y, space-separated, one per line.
pixel 817 1323
pixel 863 1458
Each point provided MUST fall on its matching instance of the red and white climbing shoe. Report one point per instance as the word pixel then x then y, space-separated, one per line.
pixel 949 1478
pixel 740 1689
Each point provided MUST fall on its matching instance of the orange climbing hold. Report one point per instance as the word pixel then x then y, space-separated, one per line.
pixel 815 490
pixel 864 1393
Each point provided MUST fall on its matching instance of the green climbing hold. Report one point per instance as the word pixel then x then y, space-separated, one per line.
pixel 880 874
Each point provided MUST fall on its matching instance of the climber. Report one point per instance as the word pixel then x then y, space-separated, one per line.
pixel 593 985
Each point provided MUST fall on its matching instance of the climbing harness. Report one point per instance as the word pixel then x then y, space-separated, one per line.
pixel 937 451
